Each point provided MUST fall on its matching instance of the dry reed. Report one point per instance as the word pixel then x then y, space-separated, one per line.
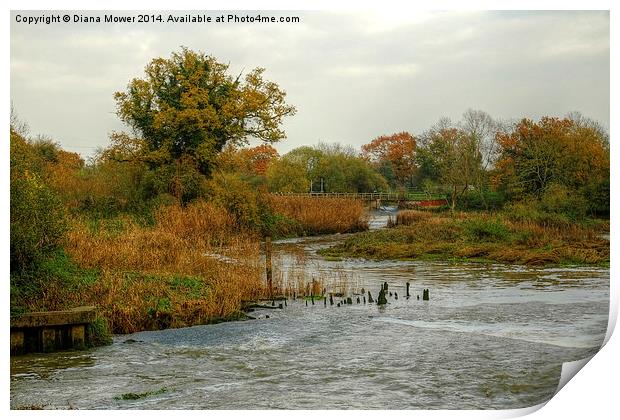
pixel 190 267
pixel 322 215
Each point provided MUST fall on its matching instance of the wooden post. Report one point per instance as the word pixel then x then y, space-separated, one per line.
pixel 425 294
pixel 268 268
pixel 381 300
pixel 408 290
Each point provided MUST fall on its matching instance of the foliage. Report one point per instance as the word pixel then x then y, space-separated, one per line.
pixel 483 198
pixel 393 156
pixel 239 198
pixel 189 106
pixel 536 156
pixel 37 215
pixel 451 157
pixel 288 175
pixel 325 168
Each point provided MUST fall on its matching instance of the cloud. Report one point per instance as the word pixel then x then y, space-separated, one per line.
pixel 351 75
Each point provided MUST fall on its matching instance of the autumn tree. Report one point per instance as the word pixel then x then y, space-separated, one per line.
pixel 536 156
pixel 393 156
pixel 188 107
pixel 449 156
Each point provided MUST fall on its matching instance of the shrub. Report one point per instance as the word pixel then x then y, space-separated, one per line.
pixel 484 199
pixel 37 215
pixel 486 229
pixel 560 200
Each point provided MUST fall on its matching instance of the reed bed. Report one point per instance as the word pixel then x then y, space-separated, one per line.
pixel 191 267
pixel 299 276
pixel 322 215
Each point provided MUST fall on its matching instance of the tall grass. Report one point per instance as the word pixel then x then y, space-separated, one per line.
pixel 481 236
pixel 190 267
pixel 322 215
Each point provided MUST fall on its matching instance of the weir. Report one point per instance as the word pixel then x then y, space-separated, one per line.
pixel 36 332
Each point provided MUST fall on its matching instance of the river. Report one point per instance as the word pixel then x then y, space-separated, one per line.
pixel 491 336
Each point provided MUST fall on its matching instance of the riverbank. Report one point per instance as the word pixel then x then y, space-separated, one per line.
pixel 191 265
pixel 479 237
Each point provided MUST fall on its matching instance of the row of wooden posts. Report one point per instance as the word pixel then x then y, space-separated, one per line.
pixel 381 300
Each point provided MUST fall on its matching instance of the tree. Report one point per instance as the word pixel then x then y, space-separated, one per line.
pixel 450 156
pixel 394 156
pixel 567 152
pixel 259 158
pixel 287 175
pixel 189 108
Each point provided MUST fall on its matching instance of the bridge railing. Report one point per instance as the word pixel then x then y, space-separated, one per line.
pixel 384 196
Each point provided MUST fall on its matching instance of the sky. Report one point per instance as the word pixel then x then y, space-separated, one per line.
pixel 352 75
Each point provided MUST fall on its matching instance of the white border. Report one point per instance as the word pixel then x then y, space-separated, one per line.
pixel 591 395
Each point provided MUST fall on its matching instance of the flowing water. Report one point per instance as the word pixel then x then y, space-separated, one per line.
pixel 491 336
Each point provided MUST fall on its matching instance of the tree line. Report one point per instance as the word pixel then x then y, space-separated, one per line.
pixel 190 124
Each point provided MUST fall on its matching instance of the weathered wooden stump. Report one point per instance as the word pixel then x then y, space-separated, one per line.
pixel 358 300
pixel 331 299
pixel 408 290
pixel 385 286
pixel 425 294
pixel 395 295
pixel 370 299
pixel 349 301
pixel 382 300
pixel 364 297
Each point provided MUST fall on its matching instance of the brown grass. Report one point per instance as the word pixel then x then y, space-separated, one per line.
pixel 322 215
pixel 190 268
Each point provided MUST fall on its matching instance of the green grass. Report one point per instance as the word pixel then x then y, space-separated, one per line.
pixel 478 238
pixel 134 396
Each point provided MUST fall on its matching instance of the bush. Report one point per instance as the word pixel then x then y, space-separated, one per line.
pixel 486 229
pixel 484 199
pixel 237 196
pixel 560 200
pixel 99 332
pixel 37 221
pixel 531 212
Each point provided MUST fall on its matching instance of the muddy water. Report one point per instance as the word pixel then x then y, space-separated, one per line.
pixel 491 336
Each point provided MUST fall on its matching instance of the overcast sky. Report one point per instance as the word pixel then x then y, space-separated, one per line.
pixel 352 76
